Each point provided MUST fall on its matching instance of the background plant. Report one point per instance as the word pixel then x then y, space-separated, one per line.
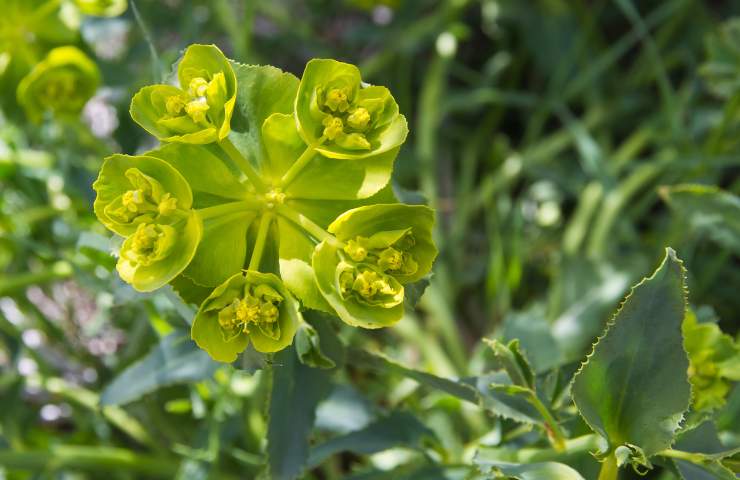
pixel 560 144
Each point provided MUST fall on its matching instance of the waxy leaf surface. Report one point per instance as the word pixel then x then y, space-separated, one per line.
pixel 633 389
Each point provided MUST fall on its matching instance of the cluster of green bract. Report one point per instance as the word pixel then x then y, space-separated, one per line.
pixel 271 195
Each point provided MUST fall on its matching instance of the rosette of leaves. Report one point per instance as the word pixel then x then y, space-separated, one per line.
pixel 199 110
pixel 284 218
pixel 61 84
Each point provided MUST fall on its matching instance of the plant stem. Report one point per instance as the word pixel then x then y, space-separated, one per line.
pixel 305 223
pixel 243 164
pixel 259 246
pixel 229 208
pixel 554 432
pixel 300 163
pixel 609 469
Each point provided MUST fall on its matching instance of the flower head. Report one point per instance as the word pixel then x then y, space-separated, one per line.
pixel 200 110
pixel 61 84
pixel 249 306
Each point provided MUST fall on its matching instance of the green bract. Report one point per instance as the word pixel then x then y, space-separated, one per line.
pixel 157 252
pixel 396 238
pixel 254 212
pixel 249 306
pixel 344 117
pixel 102 8
pixel 62 83
pixel 377 248
pixel 139 189
pixel 200 110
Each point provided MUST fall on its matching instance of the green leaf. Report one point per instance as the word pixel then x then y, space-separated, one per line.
pixel 530 471
pixel 475 390
pixel 222 249
pixel 709 210
pixel 398 429
pixel 189 291
pixel 61 83
pixel 308 348
pixel 211 182
pixel 175 360
pixel 699 454
pixel 298 277
pixel 633 389
pixel 514 362
pixel 722 69
pixel 296 392
pixel 263 91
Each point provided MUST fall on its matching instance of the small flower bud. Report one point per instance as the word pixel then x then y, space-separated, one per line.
pixel 150 243
pixel 175 104
pixel 356 249
pixel 359 119
pixel 333 127
pixel 198 87
pixel 390 259
pixel 197 109
pixel 336 100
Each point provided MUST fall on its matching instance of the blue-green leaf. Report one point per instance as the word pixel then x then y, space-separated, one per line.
pixel 175 360
pixel 633 389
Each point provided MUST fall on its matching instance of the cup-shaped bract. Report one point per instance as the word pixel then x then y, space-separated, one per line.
pixel 342 116
pixel 134 190
pixel 197 112
pixel 157 252
pixel 394 238
pixel 249 306
pixel 102 8
pixel 360 293
pixel 61 83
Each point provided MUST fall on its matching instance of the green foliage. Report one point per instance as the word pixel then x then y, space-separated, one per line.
pixel 264 213
pixel 634 390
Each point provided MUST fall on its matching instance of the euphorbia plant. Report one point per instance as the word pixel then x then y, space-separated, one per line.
pixel 270 196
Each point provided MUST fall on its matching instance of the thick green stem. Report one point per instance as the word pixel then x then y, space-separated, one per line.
pixel 229 208
pixel 243 164
pixel 305 223
pixel 609 469
pixel 300 163
pixel 259 246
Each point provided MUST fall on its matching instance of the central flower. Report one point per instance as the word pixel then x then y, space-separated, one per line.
pixel 259 307
pixel 150 243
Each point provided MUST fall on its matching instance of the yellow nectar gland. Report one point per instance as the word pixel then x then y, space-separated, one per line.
pixel 356 250
pixel 359 119
pixel 259 308
pixel 336 100
pixel 390 259
pixel 198 87
pixel 150 243
pixel 333 127
pixel 175 105
pixel 196 109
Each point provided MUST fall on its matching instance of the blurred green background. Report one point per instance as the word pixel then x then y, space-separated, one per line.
pixel 541 131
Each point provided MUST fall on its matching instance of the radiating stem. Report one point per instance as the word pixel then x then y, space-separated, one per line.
pixel 300 163
pixel 609 469
pixel 259 246
pixel 305 223
pixel 229 208
pixel 243 164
